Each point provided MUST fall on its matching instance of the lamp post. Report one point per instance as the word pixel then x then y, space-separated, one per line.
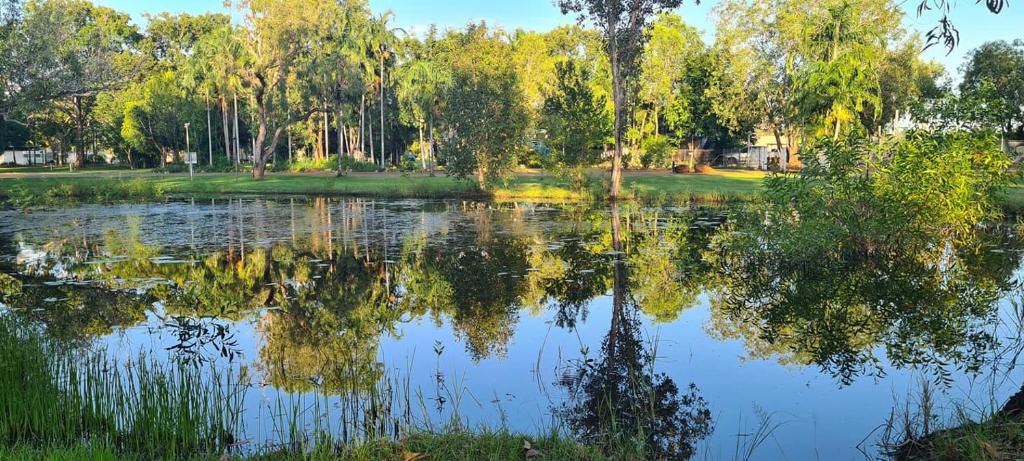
pixel 188 154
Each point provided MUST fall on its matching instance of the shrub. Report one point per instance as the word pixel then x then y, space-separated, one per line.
pixel 657 152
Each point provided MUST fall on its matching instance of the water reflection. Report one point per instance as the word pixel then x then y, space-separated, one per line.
pixel 618 398
pixel 857 307
pixel 323 284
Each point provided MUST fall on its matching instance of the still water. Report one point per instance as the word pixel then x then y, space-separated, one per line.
pixel 524 315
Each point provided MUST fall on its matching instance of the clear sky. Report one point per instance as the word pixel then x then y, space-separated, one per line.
pixel 976 24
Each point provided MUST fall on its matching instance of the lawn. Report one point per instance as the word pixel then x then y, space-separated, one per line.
pixel 64 169
pixel 716 186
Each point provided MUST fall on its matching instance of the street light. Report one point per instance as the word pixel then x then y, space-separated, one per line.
pixel 188 154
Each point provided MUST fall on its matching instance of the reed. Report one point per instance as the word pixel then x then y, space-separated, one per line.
pixel 52 395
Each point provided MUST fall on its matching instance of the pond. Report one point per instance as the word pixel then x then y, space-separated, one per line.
pixel 528 316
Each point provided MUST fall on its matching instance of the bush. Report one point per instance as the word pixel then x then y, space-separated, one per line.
pixel 657 152
pixel 305 165
pixel 409 163
pixel 351 164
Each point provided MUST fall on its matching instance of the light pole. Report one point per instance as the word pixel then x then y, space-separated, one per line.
pixel 188 154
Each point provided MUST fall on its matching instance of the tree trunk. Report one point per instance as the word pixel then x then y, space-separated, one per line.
pixel 778 145
pixel 79 135
pixel 238 150
pixel 226 127
pixel 433 158
pixel 362 125
pixel 369 134
pixel 341 134
pixel 617 100
pixel 423 151
pixel 481 178
pixel 382 109
pixel 209 132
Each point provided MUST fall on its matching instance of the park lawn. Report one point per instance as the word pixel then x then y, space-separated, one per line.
pixel 715 186
pixel 1013 198
pixel 63 170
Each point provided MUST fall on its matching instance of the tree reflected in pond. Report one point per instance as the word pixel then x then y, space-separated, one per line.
pixel 855 306
pixel 617 399
pixel 313 292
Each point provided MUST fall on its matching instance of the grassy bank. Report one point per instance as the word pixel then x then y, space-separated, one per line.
pixel 665 188
pixel 462 446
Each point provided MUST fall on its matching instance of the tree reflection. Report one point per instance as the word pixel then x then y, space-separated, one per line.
pixel 846 304
pixel 617 400
pixel 326 294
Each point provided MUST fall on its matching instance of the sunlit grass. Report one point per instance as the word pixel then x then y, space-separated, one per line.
pixel 716 186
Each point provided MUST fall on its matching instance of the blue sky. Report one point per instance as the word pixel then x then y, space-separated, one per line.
pixel 976 24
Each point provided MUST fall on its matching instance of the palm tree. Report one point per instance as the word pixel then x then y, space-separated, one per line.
pixel 383 41
pixel 420 85
pixel 217 60
pixel 843 80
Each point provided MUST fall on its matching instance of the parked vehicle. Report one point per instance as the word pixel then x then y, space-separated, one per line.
pixel 758 157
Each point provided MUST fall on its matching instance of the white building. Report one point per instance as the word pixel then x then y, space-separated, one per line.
pixel 26 157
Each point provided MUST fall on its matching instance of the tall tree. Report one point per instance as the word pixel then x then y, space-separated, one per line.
pixel 421 84
pixel 65 50
pixel 998 66
pixel 672 47
pixel 276 32
pixel 485 116
pixel 622 24
pixel 577 121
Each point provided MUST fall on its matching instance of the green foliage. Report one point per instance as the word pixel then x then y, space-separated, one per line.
pixel 485 113
pixel 656 152
pixel 576 120
pixel 53 397
pixel 994 74
pixel 915 189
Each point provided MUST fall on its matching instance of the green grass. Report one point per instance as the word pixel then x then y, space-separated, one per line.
pixel 455 446
pixel 718 186
pixel 54 395
pixel 89 169
pixel 59 402
pixel 1013 199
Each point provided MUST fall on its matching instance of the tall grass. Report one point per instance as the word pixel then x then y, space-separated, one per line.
pixel 69 192
pixel 51 395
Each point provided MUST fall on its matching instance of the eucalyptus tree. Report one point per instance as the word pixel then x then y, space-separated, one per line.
pixel 535 64
pixel 672 47
pixel 905 80
pixel 577 120
pixel 622 24
pixel 752 80
pixel 945 32
pixel 275 33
